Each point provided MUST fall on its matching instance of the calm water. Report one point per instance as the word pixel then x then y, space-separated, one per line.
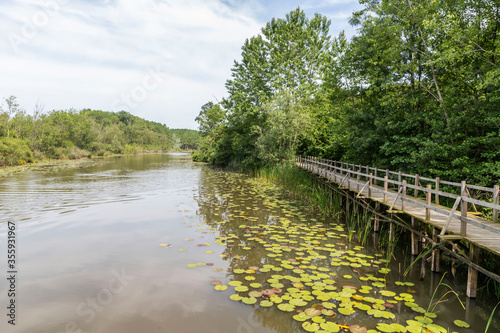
pixel 107 248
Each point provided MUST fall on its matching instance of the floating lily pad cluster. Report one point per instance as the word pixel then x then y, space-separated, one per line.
pixel 281 258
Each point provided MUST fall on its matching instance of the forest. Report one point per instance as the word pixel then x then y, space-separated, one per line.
pixel 71 134
pixel 415 89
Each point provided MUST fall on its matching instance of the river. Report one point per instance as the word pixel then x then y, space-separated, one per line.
pixel 157 243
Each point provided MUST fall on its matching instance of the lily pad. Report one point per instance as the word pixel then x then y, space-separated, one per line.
pixel 249 300
pixel 255 294
pixel 266 303
pixel 286 307
pixel 328 326
pixel 357 329
pixel 301 317
pixel 220 287
pixel 461 323
pixel 310 327
pixel 235 297
pixel 346 311
pixel 241 288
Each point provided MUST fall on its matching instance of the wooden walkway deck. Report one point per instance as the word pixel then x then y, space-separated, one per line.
pixel 453 223
pixel 395 192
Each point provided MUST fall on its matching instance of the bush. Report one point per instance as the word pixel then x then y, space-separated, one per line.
pixel 15 151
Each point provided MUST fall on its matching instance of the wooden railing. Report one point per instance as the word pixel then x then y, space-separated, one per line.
pixel 373 178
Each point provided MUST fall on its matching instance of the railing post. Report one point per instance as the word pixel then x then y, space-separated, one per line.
pixel 349 179
pixel 400 176
pixel 375 174
pixel 416 184
pixel 386 188
pixel 358 178
pixel 436 196
pixel 370 184
pixel 463 208
pixel 403 196
pixel 496 194
pixel 429 199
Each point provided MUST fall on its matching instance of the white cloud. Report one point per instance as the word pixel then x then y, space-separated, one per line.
pixel 88 54
pixel 78 54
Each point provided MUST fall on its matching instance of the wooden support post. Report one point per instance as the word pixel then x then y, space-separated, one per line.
pixel 429 199
pixel 416 184
pixel 436 197
pixel 414 237
pixel 403 196
pixel 496 194
pixel 400 176
pixel 386 188
pixel 472 274
pixel 347 213
pixel 463 208
pixel 376 221
pixel 391 232
pixel 435 253
pixel 375 174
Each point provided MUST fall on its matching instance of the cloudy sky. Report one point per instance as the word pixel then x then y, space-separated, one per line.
pixel 158 59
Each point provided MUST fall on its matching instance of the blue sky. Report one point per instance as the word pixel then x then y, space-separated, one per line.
pixel 158 59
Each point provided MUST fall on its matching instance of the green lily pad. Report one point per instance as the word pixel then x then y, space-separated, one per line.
pixel 387 293
pixel 238 271
pixel 266 303
pixel 301 317
pixel 310 327
pixel 383 327
pixel 235 297
pixel 255 285
pixel 241 288
pixel 346 311
pixel 234 283
pixel 286 307
pixel 298 302
pixel 255 294
pixel 220 287
pixel 436 328
pixel 318 319
pixel 461 323
pixel 249 300
pixel 330 327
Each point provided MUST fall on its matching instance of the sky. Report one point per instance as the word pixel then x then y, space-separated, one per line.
pixel 160 60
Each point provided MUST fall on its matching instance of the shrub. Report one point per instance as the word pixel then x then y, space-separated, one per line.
pixel 14 151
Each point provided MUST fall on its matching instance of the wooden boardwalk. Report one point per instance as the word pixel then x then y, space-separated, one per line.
pixel 399 196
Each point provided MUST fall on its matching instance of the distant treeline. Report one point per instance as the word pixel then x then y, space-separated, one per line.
pixel 417 89
pixel 71 134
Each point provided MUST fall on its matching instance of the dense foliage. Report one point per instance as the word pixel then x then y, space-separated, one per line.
pixel 416 89
pixel 72 134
